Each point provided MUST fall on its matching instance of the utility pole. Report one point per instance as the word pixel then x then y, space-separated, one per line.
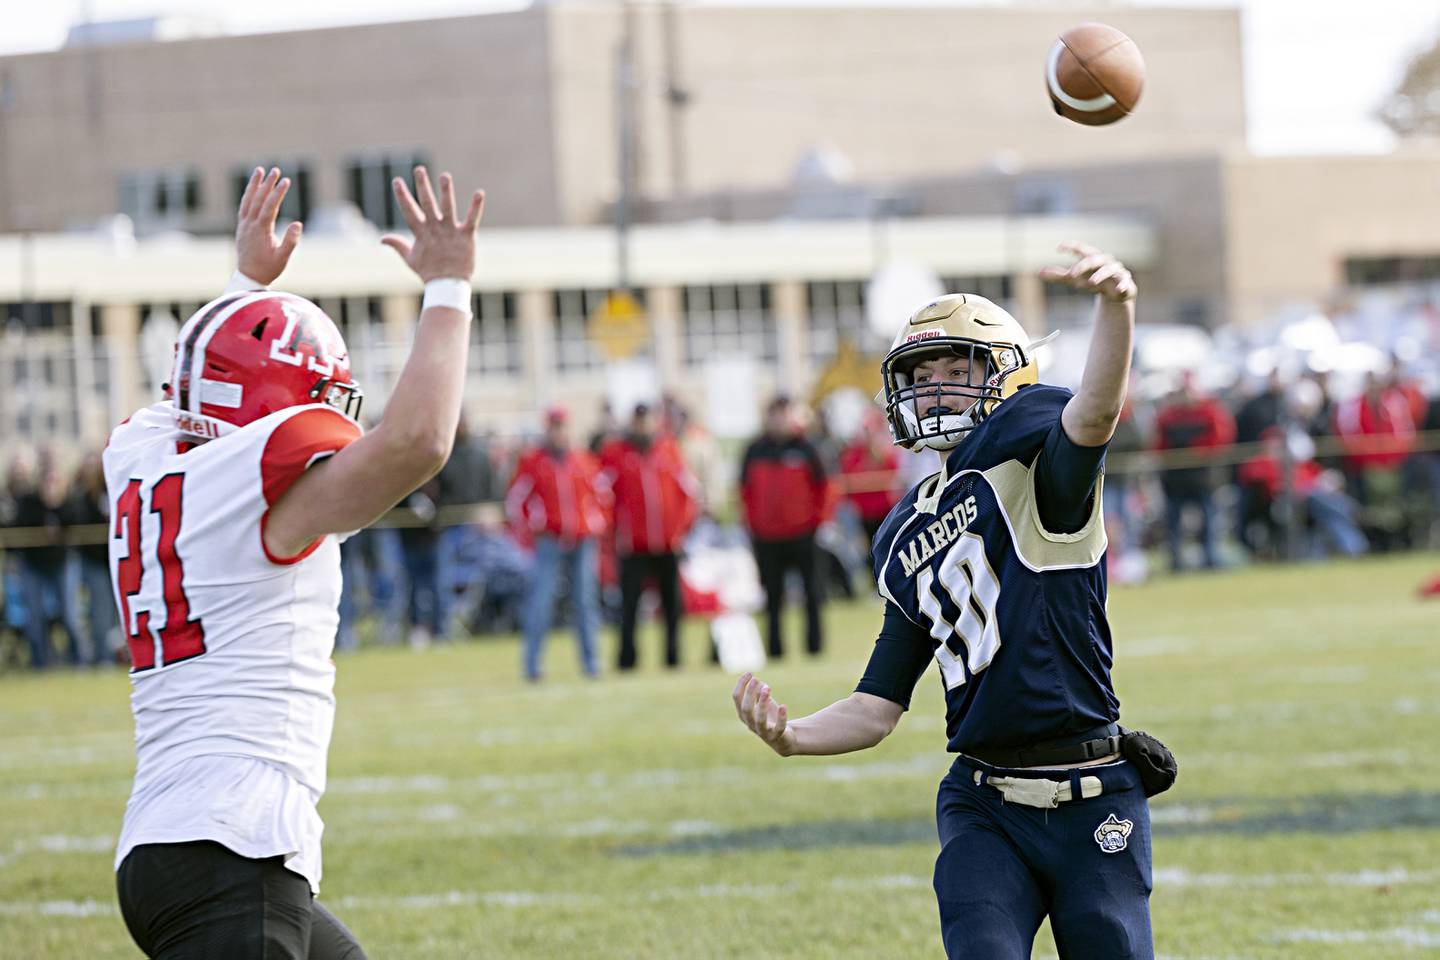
pixel 625 87
pixel 677 98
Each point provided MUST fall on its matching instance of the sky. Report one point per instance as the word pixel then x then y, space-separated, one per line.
pixel 1315 70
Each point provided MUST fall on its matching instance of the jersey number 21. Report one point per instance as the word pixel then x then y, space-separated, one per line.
pixel 181 638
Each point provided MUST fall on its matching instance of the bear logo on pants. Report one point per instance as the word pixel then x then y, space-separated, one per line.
pixel 1113 834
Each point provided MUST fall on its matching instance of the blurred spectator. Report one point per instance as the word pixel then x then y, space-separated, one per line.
pixel 42 508
pixel 1256 415
pixel 354 584
pixel 1416 490
pixel 1377 434
pixel 372 566
pixel 655 502
pixel 1122 515
pixel 834 550
pixel 1430 468
pixel 469 475
pixel 606 430
pixel 1260 412
pixel 784 496
pixel 1195 424
pixel 1314 410
pixel 870 466
pixel 421 545
pixel 1407 387
pixel 700 453
pixel 494 572
pixel 88 571
pixel 19 480
pixel 1328 510
pixel 556 503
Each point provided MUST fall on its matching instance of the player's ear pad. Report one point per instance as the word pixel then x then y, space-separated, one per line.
pixel 1156 765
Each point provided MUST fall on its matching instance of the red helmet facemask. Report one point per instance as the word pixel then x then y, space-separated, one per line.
pixel 248 355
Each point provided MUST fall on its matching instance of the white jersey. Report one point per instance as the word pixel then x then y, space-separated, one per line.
pixel 233 683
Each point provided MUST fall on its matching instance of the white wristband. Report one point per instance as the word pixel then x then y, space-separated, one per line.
pixel 239 283
pixel 454 294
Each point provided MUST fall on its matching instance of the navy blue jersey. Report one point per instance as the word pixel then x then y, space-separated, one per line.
pixel 1013 613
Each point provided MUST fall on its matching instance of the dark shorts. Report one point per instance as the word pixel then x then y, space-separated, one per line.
pixel 1003 867
pixel 200 900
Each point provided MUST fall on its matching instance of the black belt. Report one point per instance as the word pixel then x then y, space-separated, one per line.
pixel 1087 745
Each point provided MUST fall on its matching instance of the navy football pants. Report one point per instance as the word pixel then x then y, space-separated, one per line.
pixel 1003 867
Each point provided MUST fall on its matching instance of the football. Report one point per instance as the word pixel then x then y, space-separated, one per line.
pixel 1094 74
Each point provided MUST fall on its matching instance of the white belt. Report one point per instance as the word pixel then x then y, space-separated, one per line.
pixel 1045 794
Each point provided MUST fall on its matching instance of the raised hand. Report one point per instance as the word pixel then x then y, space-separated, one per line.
pixel 765 718
pixel 1093 271
pixel 258 254
pixel 442 247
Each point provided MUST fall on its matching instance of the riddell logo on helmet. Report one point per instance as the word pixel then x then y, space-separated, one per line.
pixel 203 428
pixel 924 335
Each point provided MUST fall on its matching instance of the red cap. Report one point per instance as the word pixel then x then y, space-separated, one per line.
pixel 554 415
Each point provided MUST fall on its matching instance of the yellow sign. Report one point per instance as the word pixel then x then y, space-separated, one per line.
pixel 850 369
pixel 618 327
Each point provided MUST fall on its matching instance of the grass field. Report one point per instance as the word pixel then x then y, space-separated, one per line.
pixel 470 815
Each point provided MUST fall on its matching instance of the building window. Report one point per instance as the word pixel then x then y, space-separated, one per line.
pixel 729 320
pixel 35 315
pixel 495 334
pixel 1381 271
pixel 154 198
pixel 836 311
pixel 180 310
pixel 1067 307
pixel 369 177
pixel 994 289
pixel 574 349
pixel 296 205
pixel 350 313
pixel 1040 196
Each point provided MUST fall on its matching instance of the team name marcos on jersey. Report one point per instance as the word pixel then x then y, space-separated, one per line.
pixel 938 535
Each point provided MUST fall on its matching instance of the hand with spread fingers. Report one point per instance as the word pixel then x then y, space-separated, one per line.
pixel 259 255
pixel 1093 271
pixel 765 718
pixel 443 247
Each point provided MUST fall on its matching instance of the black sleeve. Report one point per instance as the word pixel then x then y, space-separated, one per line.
pixel 901 654
pixel 1065 475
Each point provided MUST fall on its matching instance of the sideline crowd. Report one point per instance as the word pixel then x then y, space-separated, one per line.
pixel 517 536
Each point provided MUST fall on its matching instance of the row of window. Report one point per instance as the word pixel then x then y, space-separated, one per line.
pixel 717 320
pixel 169 197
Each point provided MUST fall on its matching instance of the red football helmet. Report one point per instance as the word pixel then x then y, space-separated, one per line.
pixel 247 355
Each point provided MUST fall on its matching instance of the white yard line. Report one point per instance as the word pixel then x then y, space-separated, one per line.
pixel 1403 936
pixel 1180 877
pixel 57 908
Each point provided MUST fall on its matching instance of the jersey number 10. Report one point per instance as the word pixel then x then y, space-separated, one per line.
pixel 181 638
pixel 970 636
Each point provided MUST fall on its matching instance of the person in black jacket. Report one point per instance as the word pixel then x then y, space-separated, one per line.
pixel 89 569
pixel 41 509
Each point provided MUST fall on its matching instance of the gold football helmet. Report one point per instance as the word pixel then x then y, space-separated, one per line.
pixel 998 355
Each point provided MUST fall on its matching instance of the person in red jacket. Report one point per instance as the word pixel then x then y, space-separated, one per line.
pixel 557 503
pixel 1193 423
pixel 870 466
pixel 784 496
pixel 655 503
pixel 1377 432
